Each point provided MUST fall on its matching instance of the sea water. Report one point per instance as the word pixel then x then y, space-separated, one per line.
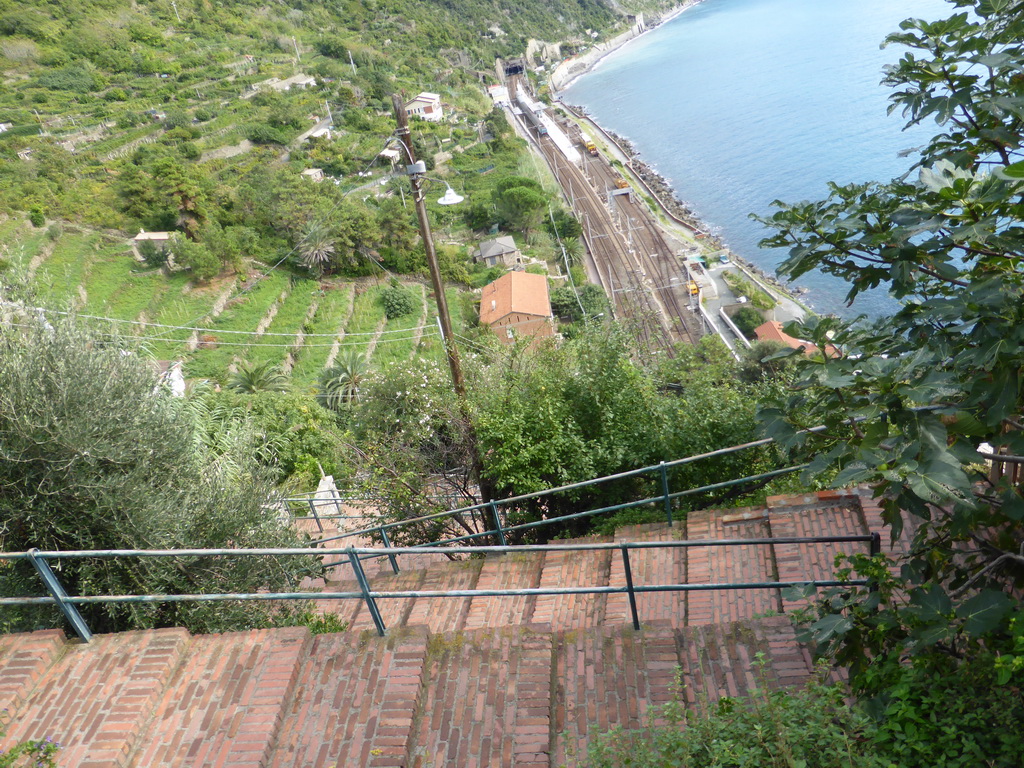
pixel 741 102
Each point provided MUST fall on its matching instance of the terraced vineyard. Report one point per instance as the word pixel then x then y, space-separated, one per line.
pixel 291 321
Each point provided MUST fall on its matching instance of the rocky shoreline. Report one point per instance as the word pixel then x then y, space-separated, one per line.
pixel 669 201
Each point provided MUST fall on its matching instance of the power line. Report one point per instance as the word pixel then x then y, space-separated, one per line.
pixel 214 330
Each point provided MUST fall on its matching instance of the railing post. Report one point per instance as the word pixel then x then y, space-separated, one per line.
pixel 875 551
pixel 57 592
pixel 312 508
pixel 664 491
pixel 497 524
pixel 629 587
pixel 387 543
pixel 364 587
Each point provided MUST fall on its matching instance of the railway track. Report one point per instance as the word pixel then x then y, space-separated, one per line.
pixel 638 269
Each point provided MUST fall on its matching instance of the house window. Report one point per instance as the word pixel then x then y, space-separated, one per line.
pixel 509 333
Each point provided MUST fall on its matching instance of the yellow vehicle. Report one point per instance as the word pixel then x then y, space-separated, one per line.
pixel 591 148
pixel 621 183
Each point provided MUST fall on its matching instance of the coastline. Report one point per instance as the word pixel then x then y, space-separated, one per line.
pixel 567 71
pixel 656 185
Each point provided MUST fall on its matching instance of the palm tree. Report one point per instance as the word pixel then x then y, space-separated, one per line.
pixel 316 250
pixel 257 377
pixel 339 384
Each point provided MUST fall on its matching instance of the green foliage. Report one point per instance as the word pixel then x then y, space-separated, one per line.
pixel 768 361
pixel 323 623
pixel 810 728
pixel 265 134
pixel 257 377
pixel 910 404
pixel 296 435
pixel 35 753
pixel 36 216
pixel 71 78
pixel 152 254
pixel 520 202
pixel 566 302
pixel 747 319
pixel 96 459
pixel 741 286
pixel 339 384
pixel 398 300
pixel 196 257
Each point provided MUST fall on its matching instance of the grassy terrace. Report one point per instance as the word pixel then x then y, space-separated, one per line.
pixel 367 314
pixel 59 276
pixel 332 311
pixel 180 304
pixel 242 313
pixel 21 244
pixel 396 344
pixel 289 319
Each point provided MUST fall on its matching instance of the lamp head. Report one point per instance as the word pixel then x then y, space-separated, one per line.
pixel 451 197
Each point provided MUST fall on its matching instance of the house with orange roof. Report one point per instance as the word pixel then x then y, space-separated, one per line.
pixel 772 331
pixel 517 305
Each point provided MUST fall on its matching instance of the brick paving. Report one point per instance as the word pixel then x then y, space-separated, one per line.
pixel 91 698
pixel 572 569
pixel 482 681
pixel 649 567
pixel 353 703
pixel 225 704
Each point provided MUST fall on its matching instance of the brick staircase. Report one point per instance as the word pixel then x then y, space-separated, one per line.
pixel 474 681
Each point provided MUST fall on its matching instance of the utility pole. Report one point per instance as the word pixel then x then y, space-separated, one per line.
pixel 352 62
pixel 174 5
pixel 297 57
pixel 451 350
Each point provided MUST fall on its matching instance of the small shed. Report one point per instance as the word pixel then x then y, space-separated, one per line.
pixel 500 250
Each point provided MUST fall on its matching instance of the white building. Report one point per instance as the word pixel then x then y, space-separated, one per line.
pixel 427 106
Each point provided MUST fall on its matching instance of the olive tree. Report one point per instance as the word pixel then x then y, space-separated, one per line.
pixel 94 454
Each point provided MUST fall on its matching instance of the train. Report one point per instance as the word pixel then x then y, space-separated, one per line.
pixel 533 112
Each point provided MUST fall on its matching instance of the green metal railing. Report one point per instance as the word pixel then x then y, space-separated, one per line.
pixel 500 529
pixel 67 604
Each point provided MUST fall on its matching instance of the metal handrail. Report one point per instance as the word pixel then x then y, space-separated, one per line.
pixel 67 603
pixel 500 531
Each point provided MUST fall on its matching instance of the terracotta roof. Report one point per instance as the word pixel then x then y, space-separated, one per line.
pixel 515 292
pixel 772 331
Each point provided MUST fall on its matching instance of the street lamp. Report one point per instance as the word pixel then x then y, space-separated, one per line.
pixel 416 171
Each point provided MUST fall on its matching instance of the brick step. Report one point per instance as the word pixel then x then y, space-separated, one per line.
pixel 445 614
pixel 24 659
pixel 807 562
pixel 715 565
pixel 488 700
pixel 226 701
pixel 573 569
pixel 97 697
pixel 393 611
pixel 511 571
pixel 354 702
pixel 609 678
pixel 649 567
pixel 734 659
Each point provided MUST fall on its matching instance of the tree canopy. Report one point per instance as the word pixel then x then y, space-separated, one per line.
pixel 920 402
pixel 95 455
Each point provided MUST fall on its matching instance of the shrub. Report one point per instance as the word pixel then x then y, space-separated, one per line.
pixel 36 216
pixel 811 728
pixel 398 300
pixel 747 319
pixel 265 134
